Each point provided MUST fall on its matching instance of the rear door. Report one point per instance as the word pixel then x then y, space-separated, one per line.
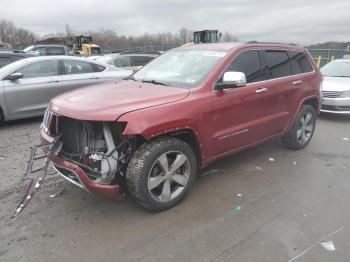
pixel 29 96
pixel 282 88
pixel 77 73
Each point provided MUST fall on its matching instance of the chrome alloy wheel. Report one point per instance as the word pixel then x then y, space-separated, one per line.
pixel 305 128
pixel 169 176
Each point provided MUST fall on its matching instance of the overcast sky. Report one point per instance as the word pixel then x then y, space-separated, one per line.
pixel 298 21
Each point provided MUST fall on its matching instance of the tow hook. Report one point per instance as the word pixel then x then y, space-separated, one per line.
pixel 41 154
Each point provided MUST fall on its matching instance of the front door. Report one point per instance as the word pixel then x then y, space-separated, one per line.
pixel 239 116
pixel 29 96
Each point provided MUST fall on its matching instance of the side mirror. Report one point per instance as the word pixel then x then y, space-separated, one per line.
pixel 231 80
pixel 14 76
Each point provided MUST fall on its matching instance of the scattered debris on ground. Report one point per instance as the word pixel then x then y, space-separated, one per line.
pixel 329 246
pixel 238 208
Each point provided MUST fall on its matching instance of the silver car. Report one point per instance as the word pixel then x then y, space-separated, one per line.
pixel 27 85
pixel 336 87
pixel 131 61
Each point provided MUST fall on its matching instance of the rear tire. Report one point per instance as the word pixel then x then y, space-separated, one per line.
pixel 300 134
pixel 161 172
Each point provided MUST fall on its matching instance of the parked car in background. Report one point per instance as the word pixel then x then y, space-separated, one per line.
pixel 131 61
pixel 107 58
pixel 29 84
pixel 149 134
pixel 47 49
pixel 8 57
pixel 93 57
pixel 336 87
pixel 5 47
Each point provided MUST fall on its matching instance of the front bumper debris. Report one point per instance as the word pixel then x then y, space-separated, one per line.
pixel 37 168
pixel 76 175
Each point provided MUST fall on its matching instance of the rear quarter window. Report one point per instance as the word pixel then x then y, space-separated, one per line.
pixel 278 63
pixel 300 62
pixel 98 68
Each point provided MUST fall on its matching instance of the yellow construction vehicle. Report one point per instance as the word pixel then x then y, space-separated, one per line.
pixel 83 45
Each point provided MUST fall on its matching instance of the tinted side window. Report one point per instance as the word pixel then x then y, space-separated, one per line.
pixel 300 63
pixel 72 67
pixel 140 60
pixel 40 69
pixel 55 51
pixel 5 61
pixel 123 61
pixel 248 63
pixel 40 50
pixel 98 68
pixel 278 63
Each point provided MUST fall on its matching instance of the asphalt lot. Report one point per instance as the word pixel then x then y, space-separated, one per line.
pixel 287 207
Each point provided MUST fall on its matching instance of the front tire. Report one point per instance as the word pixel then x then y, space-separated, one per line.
pixel 300 134
pixel 161 172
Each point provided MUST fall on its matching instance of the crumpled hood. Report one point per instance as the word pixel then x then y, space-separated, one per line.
pixel 108 101
pixel 336 83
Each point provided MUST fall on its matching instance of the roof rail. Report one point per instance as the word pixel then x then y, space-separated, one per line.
pixel 273 43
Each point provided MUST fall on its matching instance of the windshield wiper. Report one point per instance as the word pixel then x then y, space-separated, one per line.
pixel 154 82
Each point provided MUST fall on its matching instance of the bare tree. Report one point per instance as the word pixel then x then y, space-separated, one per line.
pixel 9 33
pixel 228 37
pixel 183 34
pixel 69 30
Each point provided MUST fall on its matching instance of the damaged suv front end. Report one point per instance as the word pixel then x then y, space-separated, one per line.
pixel 92 154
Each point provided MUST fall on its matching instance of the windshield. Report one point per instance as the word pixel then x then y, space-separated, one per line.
pixel 182 68
pixel 337 68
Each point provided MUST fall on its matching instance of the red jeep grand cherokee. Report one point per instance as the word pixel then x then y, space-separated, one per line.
pixel 149 134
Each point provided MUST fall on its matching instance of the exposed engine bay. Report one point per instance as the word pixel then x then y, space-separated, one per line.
pixel 97 147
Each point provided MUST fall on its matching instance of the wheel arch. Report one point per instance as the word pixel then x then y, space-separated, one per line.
pixel 189 137
pixel 313 101
pixel 186 135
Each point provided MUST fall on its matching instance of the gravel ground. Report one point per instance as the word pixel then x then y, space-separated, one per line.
pixel 242 208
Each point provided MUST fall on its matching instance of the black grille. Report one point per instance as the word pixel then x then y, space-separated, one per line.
pixel 335 108
pixel 331 94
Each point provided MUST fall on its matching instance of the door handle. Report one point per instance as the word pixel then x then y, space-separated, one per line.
pixel 298 82
pixel 261 90
pixel 53 81
pixel 94 77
